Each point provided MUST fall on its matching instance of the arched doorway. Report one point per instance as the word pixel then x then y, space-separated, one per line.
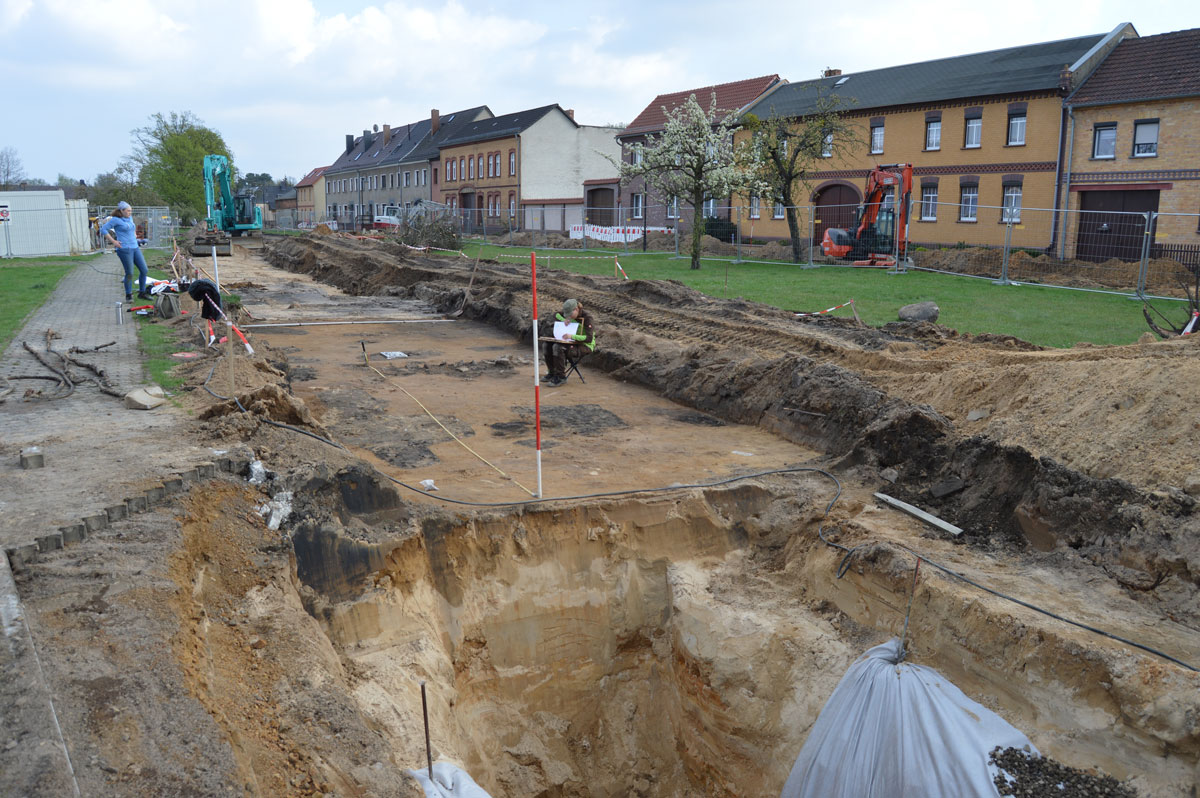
pixel 601 202
pixel 836 204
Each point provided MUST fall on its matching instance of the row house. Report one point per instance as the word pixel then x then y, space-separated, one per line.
pixel 388 167
pixel 637 205
pixel 536 168
pixel 1133 147
pixel 310 198
pixel 983 131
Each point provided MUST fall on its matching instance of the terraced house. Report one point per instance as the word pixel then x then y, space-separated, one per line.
pixel 533 169
pixel 983 131
pixel 1133 147
pixel 369 175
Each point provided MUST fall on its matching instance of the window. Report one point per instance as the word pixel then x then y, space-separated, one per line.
pixel 406 174
pixel 673 208
pixel 639 204
pixel 710 208
pixel 512 162
pixel 512 204
pixel 973 136
pixel 1011 207
pixel 471 168
pixel 491 165
pixel 1145 138
pixel 638 154
pixel 435 175
pixel 933 134
pixel 479 165
pixel 425 176
pixel 1016 130
pixel 929 197
pixel 778 212
pixel 754 212
pixel 827 146
pixel 462 168
pixel 876 139
pixel 968 208
pixel 1104 141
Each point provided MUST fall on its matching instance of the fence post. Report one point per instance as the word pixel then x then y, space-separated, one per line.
pixel 812 233
pixel 585 224
pixel 738 232
pixel 1144 269
pixel 1004 258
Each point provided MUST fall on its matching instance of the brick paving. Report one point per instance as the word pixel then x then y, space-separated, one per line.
pixel 96 450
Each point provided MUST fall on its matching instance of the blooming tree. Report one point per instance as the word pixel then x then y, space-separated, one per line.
pixel 694 158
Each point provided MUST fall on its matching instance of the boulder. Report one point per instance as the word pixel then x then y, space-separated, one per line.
pixel 921 311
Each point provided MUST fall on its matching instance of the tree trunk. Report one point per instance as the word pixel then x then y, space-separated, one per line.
pixel 789 210
pixel 697 227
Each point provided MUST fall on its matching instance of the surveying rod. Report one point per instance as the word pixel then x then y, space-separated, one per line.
pixel 537 387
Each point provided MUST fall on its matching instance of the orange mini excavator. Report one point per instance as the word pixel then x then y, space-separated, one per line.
pixel 879 221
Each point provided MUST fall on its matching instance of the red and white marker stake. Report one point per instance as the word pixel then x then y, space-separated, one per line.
pixel 537 385
pixel 618 268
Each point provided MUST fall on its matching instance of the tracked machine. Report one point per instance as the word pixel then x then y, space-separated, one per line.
pixel 880 236
pixel 229 215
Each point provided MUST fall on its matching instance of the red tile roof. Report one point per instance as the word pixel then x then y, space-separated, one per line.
pixel 1152 67
pixel 730 97
pixel 311 177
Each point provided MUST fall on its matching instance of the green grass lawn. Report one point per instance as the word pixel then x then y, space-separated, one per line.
pixel 25 285
pixel 1045 316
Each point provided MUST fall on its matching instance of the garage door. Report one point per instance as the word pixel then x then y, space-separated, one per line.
pixel 1111 224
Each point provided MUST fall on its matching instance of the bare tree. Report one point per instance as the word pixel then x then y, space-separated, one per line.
pixel 12 171
pixel 789 150
pixel 693 158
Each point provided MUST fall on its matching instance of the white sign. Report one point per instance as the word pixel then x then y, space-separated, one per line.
pixel 3 214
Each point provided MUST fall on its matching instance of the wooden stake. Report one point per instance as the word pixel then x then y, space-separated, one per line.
pixel 425 713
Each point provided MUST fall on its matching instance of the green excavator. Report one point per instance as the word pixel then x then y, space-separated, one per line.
pixel 229 214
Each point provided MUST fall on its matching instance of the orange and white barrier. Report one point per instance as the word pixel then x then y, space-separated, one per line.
pixel 610 234
pixel 1191 325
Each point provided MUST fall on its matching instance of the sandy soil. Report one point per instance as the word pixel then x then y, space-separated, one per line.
pixel 664 645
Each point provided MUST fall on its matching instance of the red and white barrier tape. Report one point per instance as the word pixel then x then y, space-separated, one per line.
pixel 828 310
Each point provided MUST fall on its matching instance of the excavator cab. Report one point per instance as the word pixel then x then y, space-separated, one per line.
pixel 877 222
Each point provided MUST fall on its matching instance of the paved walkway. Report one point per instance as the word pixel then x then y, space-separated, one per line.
pixel 96 451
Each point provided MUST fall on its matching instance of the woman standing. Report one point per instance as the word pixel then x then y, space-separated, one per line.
pixel 126 245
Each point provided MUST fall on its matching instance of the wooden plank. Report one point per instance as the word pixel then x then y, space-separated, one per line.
pixel 916 512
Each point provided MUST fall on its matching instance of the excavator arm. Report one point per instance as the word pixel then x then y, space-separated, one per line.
pixel 868 240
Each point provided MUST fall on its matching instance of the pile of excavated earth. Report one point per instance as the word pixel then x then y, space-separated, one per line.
pixel 709 557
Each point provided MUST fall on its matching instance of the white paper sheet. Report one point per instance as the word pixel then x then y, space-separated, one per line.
pixel 564 329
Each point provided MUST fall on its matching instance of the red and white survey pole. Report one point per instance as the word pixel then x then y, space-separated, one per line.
pixel 537 386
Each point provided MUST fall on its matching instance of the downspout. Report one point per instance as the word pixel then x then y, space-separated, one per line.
pixel 520 197
pixel 1066 201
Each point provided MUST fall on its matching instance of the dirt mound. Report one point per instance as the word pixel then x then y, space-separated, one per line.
pixel 322 230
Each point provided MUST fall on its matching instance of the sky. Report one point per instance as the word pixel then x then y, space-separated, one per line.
pixel 284 81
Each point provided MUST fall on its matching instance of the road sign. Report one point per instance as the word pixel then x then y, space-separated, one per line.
pixel 3 214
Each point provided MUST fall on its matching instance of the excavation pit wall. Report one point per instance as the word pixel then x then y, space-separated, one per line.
pixel 683 645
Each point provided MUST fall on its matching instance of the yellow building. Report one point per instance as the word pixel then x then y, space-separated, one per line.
pixel 1133 149
pixel 982 131
pixel 310 198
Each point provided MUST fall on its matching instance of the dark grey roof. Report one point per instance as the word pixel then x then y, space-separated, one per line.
pixel 499 126
pixel 1030 67
pixel 451 124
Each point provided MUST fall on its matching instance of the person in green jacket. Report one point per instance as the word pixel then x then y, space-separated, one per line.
pixel 575 346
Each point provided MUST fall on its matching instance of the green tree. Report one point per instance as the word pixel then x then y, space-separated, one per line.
pixel 694 158
pixel 789 149
pixel 169 157
pixel 256 180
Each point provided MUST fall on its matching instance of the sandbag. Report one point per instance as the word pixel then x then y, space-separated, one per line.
pixel 896 730
pixel 448 782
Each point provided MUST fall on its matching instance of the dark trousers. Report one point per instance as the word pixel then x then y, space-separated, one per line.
pixel 556 357
pixel 128 258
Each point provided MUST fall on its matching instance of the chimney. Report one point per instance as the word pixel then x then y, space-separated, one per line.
pixel 831 73
pixel 571 113
pixel 349 142
pixel 435 121
pixel 367 139
pixel 387 134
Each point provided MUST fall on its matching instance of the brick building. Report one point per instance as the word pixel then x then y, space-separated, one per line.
pixel 1133 147
pixel 635 203
pixel 983 132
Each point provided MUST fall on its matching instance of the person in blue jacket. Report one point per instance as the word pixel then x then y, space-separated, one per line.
pixel 122 232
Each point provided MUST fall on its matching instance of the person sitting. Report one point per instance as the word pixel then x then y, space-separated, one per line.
pixel 569 346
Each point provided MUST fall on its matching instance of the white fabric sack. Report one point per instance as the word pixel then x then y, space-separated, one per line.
pixel 448 782
pixel 896 730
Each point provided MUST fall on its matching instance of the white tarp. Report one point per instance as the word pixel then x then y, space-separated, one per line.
pixel 613 235
pixel 896 730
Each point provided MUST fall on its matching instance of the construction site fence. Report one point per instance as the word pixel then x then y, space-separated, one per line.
pixel 73 228
pixel 1130 253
